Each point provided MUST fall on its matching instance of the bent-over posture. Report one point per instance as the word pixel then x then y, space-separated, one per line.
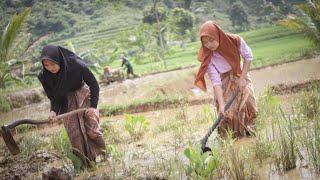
pixel 69 84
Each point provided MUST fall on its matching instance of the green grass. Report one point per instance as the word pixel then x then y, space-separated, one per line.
pixel 281 49
pixel 269 46
pixel 259 35
pixel 156 102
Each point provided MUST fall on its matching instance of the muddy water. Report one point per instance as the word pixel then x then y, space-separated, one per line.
pixel 291 72
pixel 267 170
pixel 37 111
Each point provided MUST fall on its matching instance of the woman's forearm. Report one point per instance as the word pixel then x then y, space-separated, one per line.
pixel 218 93
pixel 246 67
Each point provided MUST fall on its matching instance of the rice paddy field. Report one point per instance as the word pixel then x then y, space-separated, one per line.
pixel 162 117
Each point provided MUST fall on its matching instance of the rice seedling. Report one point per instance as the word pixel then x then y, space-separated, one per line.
pixel 111 133
pixel 311 142
pixel 168 126
pixel 60 142
pixel 286 154
pixel 264 146
pixel 308 105
pixel 76 162
pixel 182 110
pixel 165 165
pixel 31 143
pixel 4 104
pixel 268 105
pixel 241 164
pixel 235 163
pixel 23 128
pixel 174 169
pixel 209 116
pixel 115 159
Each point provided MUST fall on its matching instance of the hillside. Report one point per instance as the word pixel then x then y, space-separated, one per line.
pixel 87 21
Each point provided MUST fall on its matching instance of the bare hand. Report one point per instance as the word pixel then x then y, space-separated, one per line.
pixel 52 117
pixel 242 82
pixel 221 110
pixel 90 112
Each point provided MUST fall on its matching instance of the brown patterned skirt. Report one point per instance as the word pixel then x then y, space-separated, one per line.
pixel 242 112
pixel 83 128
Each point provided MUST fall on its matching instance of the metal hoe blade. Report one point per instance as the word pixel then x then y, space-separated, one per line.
pixel 10 142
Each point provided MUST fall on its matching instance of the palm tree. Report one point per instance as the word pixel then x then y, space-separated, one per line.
pixel 308 20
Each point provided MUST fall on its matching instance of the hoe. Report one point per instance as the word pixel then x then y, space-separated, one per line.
pixel 8 138
pixel 216 123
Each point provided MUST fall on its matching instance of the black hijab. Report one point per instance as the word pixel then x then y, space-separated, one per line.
pixel 56 85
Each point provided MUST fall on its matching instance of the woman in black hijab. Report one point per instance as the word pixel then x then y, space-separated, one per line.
pixel 69 84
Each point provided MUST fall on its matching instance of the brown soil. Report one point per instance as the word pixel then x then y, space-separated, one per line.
pixel 293 87
pixel 32 167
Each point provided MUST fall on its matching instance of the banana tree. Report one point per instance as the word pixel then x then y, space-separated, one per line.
pixel 308 20
pixel 8 43
pixel 11 52
pixel 93 60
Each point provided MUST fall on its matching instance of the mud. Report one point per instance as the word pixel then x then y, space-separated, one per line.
pixel 293 87
pixel 36 166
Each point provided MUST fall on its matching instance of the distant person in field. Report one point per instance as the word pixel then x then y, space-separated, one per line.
pixel 69 84
pixel 220 56
pixel 106 71
pixel 127 65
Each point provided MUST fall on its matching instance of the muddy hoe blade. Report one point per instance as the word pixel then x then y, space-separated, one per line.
pixel 10 142
pixel 216 123
pixel 8 138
